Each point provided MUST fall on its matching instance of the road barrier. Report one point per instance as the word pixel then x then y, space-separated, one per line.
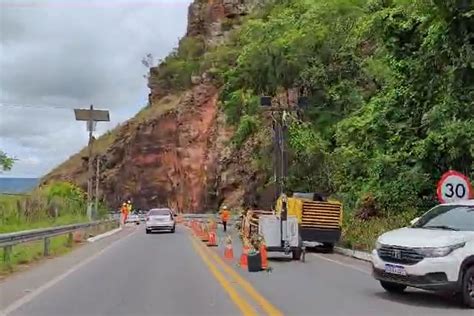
pixel 206 217
pixel 7 241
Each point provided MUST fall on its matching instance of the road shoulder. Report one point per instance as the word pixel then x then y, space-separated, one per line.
pixel 19 285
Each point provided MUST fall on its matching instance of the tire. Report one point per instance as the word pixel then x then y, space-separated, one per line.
pixel 467 293
pixel 393 287
pixel 328 247
pixel 296 254
pixel 148 232
pixel 173 230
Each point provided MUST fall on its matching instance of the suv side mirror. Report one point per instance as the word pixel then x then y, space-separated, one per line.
pixel 413 221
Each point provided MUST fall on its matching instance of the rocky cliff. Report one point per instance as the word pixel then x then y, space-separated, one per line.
pixel 176 151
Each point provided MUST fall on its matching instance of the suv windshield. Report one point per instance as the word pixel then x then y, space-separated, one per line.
pixel 160 212
pixel 448 217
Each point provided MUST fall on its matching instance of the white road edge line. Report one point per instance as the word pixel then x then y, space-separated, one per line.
pixel 110 232
pixel 361 255
pixel 342 264
pixel 30 296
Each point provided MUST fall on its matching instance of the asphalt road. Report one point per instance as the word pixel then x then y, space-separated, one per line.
pixel 173 274
pixel 158 274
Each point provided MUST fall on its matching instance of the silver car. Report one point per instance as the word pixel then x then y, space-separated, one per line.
pixel 159 219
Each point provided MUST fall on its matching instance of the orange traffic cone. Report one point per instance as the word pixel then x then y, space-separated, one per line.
pixel 263 255
pixel 228 252
pixel 243 257
pixel 204 235
pixel 195 228
pixel 212 242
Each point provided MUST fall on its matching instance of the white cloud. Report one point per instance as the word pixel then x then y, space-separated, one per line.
pixel 71 54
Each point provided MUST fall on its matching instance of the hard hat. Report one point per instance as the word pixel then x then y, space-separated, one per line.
pixel 124 204
pixel 129 202
pixel 224 207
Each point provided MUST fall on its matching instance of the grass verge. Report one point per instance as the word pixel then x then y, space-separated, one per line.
pixel 28 253
pixel 27 225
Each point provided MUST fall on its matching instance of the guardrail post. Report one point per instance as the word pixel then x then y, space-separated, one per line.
pixel 7 250
pixel 46 246
pixel 69 239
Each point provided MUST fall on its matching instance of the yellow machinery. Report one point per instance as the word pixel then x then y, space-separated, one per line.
pixel 319 221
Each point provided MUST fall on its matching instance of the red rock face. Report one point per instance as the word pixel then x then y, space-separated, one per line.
pixel 167 160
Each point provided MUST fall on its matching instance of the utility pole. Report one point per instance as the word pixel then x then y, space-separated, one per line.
pixel 280 162
pixel 91 116
pixel 97 186
pixel 90 169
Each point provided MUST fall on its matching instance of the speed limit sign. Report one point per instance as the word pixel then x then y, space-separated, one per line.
pixel 453 186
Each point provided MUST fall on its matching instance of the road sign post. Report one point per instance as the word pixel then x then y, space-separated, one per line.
pixel 91 116
pixel 454 186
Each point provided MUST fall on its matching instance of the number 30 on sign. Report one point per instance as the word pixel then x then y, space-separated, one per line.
pixel 454 186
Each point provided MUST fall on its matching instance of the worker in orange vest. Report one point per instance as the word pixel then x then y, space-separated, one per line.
pixel 124 211
pixel 225 215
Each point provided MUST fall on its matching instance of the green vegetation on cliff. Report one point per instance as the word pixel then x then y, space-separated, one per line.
pixel 390 86
pixel 391 90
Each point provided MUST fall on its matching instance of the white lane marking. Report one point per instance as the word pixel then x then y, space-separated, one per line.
pixel 110 232
pixel 342 264
pixel 27 298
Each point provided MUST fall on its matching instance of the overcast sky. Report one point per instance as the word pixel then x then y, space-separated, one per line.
pixel 56 55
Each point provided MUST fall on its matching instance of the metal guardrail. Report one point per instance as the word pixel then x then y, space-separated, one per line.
pixel 7 241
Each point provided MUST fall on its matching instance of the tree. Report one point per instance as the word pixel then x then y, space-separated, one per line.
pixel 6 162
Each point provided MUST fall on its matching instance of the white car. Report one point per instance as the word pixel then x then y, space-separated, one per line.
pixel 160 219
pixel 133 218
pixel 435 253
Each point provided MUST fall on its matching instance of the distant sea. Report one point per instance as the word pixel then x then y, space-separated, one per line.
pixel 17 185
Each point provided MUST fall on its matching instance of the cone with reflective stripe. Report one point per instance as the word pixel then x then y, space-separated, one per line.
pixel 244 257
pixel 229 252
pixel 204 233
pixel 212 242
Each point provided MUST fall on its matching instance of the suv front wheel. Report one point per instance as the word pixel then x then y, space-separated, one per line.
pixel 468 288
pixel 393 287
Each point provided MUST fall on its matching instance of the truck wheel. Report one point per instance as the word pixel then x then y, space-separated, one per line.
pixel 328 247
pixel 393 287
pixel 468 288
pixel 296 254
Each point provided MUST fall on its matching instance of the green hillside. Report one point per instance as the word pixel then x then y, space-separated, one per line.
pixel 391 89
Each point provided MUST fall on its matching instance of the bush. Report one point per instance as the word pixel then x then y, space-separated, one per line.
pixel 247 126
pixel 361 234
pixel 54 204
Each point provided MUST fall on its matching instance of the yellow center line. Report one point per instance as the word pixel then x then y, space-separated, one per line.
pixel 268 307
pixel 242 304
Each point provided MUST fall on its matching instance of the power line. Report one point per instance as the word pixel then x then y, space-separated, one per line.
pixel 39 106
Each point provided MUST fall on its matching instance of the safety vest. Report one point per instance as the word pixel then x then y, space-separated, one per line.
pixel 225 215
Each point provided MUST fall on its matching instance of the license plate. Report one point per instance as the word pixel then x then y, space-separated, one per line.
pixel 394 269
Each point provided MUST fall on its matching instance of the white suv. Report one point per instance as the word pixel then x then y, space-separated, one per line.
pixel 435 253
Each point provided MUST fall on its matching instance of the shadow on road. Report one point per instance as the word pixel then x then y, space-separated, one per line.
pixel 318 249
pixel 424 299
pixel 279 259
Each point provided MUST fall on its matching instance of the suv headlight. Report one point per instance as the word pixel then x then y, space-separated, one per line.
pixel 439 251
pixel 378 245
